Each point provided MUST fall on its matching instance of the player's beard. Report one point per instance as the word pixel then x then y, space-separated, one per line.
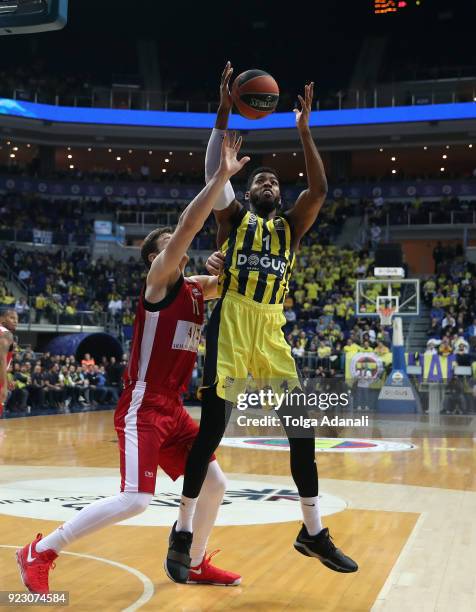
pixel 264 206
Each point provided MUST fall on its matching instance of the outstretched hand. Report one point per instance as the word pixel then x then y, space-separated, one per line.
pixel 303 114
pixel 229 162
pixel 226 101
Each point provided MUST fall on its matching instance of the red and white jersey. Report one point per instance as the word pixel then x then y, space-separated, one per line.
pixel 10 351
pixel 166 338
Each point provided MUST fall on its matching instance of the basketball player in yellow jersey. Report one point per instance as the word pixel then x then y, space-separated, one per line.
pixel 245 330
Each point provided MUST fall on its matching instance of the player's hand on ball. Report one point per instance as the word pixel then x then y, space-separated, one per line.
pixel 229 162
pixel 303 114
pixel 215 263
pixel 225 96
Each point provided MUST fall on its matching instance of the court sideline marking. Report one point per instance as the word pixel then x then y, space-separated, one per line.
pixel 148 590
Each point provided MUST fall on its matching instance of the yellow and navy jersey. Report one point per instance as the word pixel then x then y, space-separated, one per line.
pixel 258 259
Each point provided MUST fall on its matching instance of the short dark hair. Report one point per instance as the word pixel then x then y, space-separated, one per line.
pixel 150 243
pixel 259 170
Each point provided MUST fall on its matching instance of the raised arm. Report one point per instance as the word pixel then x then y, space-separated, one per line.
pixel 194 216
pixel 5 341
pixel 226 206
pixel 305 211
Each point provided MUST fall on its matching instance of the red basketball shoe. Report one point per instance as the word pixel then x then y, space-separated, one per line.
pixel 206 573
pixel 35 566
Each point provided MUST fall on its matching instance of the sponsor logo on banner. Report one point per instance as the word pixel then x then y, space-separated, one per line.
pixel 246 502
pixel 323 445
pixel 396 393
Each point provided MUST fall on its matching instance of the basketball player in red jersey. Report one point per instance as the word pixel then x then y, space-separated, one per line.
pixel 152 425
pixel 8 325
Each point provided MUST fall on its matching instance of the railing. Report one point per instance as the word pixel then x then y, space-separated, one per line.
pixel 146 218
pixel 10 275
pixel 55 319
pixel 47 238
pixel 450 217
pixel 408 93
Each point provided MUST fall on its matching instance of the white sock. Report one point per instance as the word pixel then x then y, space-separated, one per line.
pixel 311 515
pixel 186 512
pixel 208 504
pixel 99 514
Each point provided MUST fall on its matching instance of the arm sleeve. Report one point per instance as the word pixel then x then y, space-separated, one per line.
pixel 212 162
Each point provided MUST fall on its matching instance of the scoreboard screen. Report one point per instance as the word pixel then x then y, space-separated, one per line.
pixel 382 7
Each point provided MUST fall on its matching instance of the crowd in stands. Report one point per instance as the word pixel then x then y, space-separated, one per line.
pixel 322 326
pixel 64 283
pixel 20 214
pixel 451 296
pixel 62 384
pixel 35 82
pixel 418 211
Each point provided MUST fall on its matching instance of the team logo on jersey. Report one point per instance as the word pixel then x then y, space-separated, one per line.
pixel 269 264
pixel 252 219
pixel 278 224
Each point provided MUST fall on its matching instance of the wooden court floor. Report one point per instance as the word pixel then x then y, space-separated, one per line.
pixel 407 517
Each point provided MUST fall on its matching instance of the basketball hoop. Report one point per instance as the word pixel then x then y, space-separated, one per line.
pixel 386 313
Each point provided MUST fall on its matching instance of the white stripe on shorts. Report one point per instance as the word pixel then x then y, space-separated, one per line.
pixel 147 341
pixel 131 459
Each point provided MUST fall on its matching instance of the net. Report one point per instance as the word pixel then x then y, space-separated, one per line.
pixel 386 313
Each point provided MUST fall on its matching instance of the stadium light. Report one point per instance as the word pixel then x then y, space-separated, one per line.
pixel 71 166
pixel 12 154
pixel 164 170
pixel 425 148
pixel 70 157
pixel 394 171
pixel 442 169
pixel 190 153
pixel 166 160
pixel 394 159
pixel 301 174
pixel 170 153
pixel 118 158
pixel 15 148
pixel 470 146
pixel 89 149
pixel 130 150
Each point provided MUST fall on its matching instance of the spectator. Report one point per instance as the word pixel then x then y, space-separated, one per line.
pixel 37 388
pixel 22 310
pixel 87 360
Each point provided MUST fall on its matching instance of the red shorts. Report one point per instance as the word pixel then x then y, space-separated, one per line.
pixel 154 429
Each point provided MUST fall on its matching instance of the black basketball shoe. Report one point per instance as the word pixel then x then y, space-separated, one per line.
pixel 177 563
pixel 322 547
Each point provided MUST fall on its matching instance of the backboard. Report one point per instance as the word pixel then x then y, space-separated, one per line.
pixel 402 295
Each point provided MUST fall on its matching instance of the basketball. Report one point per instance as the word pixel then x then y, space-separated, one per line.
pixel 255 94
